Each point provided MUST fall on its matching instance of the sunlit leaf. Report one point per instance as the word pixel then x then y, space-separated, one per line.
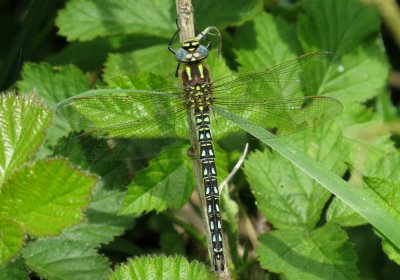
pixel 323 253
pixel 159 268
pixel 64 259
pixel 46 196
pixel 23 125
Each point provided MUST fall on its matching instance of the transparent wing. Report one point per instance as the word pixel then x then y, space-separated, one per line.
pixel 283 117
pixel 123 114
pixel 88 147
pixel 304 74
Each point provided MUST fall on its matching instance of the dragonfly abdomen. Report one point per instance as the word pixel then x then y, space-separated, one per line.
pixel 209 175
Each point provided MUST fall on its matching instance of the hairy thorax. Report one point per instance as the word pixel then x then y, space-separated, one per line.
pixel 197 85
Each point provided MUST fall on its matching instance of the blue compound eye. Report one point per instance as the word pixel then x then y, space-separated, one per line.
pixel 203 51
pixel 181 55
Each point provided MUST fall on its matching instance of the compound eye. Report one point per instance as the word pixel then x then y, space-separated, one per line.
pixel 202 50
pixel 181 55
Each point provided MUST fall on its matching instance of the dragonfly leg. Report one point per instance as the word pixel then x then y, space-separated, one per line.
pixel 190 152
pixel 221 258
pixel 215 262
pixel 172 41
pixel 173 38
pixel 213 31
pixel 177 70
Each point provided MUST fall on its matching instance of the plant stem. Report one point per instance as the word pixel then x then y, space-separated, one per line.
pixel 390 13
pixel 188 228
pixel 395 79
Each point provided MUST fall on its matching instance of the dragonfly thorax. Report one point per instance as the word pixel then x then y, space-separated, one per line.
pixel 196 82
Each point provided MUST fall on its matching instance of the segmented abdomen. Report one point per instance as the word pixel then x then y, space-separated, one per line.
pixel 209 175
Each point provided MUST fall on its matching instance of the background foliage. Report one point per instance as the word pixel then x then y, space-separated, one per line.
pixel 66 216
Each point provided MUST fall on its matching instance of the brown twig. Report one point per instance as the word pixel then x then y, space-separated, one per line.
pixel 395 79
pixel 390 13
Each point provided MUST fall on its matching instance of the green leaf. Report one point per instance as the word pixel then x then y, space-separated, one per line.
pixel 64 259
pixel 320 254
pixel 14 270
pixel 371 153
pixel 212 13
pixel 362 131
pixel 166 183
pixel 46 197
pixel 385 107
pixel 102 222
pixel 53 84
pixel 386 190
pixel 286 195
pixel 161 267
pixel 391 251
pixel 358 78
pixel 375 211
pixel 130 64
pixel 341 214
pixel 382 163
pixel 23 126
pixel 384 166
pixel 84 19
pixel 91 55
pixel 362 75
pixel 348 25
pixel 266 41
pixel 11 239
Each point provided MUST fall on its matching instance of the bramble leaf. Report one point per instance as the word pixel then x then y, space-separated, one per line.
pixel 11 239
pixel 323 253
pixel 65 259
pixel 348 25
pixel 264 42
pixel 46 196
pixel 23 127
pixel 284 194
pixel 161 267
pixel 14 269
pixel 111 17
pixel 166 183
pixel 53 85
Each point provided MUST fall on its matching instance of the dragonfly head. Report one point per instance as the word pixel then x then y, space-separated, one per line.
pixel 191 51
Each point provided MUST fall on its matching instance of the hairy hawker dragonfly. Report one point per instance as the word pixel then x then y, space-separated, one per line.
pixel 280 99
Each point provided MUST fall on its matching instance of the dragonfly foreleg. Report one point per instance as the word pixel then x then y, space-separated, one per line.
pixel 211 30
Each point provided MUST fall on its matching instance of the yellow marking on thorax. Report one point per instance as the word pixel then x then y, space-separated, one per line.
pixel 201 70
pixel 188 72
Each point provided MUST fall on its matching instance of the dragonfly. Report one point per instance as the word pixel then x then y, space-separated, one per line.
pixel 281 99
